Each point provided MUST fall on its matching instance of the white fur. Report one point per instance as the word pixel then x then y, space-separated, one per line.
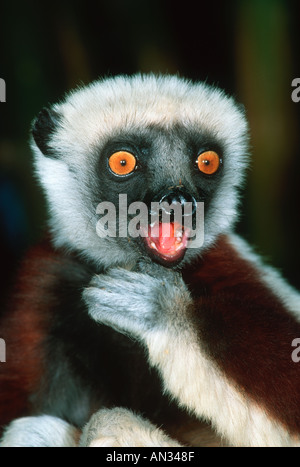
pixel 40 431
pixel 198 385
pixel 120 427
pixel 94 112
pixel 90 115
pixel 201 387
pixel 116 427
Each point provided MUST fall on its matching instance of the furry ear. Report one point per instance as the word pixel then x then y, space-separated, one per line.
pixel 43 128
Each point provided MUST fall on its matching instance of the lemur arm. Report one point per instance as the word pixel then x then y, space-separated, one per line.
pixel 221 339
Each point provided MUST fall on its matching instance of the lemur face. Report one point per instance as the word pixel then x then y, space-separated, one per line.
pixel 152 140
pixel 177 166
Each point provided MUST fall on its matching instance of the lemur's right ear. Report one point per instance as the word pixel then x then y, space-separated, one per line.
pixel 42 129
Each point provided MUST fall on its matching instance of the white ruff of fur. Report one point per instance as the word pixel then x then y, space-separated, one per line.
pixel 92 114
pixel 200 387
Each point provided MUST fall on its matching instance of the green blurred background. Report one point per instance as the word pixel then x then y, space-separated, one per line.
pixel 249 48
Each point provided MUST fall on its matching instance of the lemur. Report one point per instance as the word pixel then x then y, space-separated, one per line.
pixel 108 334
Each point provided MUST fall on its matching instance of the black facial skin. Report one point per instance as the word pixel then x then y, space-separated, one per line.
pixel 166 161
pixel 149 148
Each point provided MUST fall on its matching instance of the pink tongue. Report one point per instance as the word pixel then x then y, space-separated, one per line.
pixel 164 236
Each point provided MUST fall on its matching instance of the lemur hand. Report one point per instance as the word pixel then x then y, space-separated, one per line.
pixel 138 302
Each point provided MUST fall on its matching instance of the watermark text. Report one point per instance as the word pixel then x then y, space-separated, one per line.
pixel 136 219
pixel 296 352
pixel 296 92
pixel 2 90
pixel 2 351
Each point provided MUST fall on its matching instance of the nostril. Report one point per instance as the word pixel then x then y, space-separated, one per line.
pixel 185 199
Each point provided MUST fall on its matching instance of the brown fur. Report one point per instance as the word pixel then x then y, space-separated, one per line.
pixel 247 331
pixel 243 325
pixel 24 327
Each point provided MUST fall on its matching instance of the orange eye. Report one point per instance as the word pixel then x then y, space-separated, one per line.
pixel 208 162
pixel 122 163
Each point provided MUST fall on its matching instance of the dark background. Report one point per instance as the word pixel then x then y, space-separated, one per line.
pixel 249 48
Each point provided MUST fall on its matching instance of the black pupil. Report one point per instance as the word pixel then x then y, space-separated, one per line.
pixel 123 162
pixel 206 162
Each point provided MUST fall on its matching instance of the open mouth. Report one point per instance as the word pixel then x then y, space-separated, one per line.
pixel 167 241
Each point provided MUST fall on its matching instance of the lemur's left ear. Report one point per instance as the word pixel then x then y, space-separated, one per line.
pixel 42 129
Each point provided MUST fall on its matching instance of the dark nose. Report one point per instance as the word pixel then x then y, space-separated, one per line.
pixel 170 202
pixel 182 197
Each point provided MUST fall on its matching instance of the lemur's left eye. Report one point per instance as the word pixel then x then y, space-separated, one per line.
pixel 122 163
pixel 208 162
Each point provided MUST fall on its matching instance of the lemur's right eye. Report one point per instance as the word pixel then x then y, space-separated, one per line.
pixel 122 163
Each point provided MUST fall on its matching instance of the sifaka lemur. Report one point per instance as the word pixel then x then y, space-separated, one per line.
pixel 108 335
